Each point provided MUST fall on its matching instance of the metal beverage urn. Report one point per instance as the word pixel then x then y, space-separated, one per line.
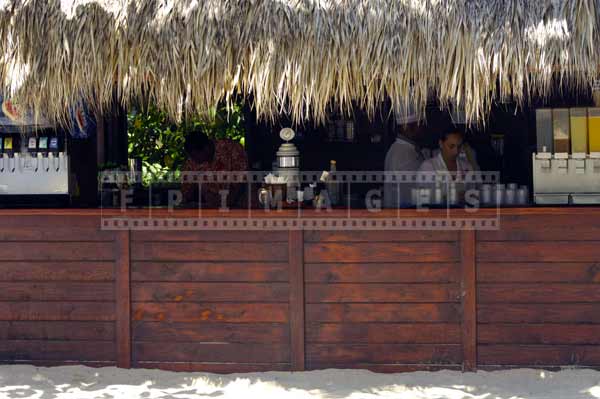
pixel 288 162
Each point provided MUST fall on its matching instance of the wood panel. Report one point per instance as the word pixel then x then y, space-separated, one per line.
pixel 548 334
pixel 380 333
pixel 539 313
pixel 564 272
pixel 57 271
pixel 57 350
pixel 356 312
pixel 57 330
pixel 75 311
pixel 123 298
pixel 62 251
pixel 382 272
pixel 213 251
pixel 468 289
pixel 203 271
pixel 211 312
pixel 380 252
pixel 538 293
pixel 539 355
pixel 56 291
pixel 380 236
pixel 55 233
pixel 45 218
pixel 544 228
pixel 383 353
pixel 210 292
pixel 226 368
pixel 385 368
pixel 211 352
pixel 297 300
pixel 375 292
pixel 209 236
pixel 539 251
pixel 211 332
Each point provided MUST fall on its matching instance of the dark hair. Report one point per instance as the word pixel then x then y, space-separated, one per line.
pixel 451 130
pixel 196 140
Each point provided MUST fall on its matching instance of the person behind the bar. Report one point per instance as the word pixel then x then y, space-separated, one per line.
pixel 205 155
pixel 404 155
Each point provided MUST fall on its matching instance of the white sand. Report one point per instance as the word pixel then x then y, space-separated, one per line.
pixel 77 382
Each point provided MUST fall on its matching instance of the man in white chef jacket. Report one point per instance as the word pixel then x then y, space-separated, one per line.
pixel 404 155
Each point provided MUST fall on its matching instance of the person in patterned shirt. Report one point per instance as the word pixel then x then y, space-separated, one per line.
pixel 205 155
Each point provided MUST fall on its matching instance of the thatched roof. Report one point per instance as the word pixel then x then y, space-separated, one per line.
pixel 299 56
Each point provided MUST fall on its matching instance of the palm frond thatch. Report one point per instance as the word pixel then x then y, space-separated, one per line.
pixel 296 56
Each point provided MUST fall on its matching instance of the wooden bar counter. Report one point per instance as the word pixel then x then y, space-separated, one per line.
pixel 523 294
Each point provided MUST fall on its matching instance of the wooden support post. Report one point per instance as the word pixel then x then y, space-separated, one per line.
pixel 296 264
pixel 123 298
pixel 469 300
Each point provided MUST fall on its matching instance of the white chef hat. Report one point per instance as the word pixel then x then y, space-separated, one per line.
pixel 406 115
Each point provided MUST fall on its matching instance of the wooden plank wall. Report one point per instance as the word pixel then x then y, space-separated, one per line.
pixel 57 291
pixel 383 300
pixel 213 301
pixel 539 292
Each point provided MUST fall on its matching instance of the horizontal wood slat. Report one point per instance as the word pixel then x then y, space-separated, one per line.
pixel 57 291
pixel 57 330
pixel 380 252
pixel 198 271
pixel 316 293
pixel 61 251
pixel 544 228
pixel 538 272
pixel 57 271
pixel 383 313
pixel 539 251
pixel 226 368
pixel 211 312
pixel 539 313
pixel 379 333
pixel 382 273
pixel 56 350
pixel 55 233
pixel 211 352
pixel 213 251
pixel 380 236
pixel 210 292
pixel 209 236
pixel 383 353
pixel 75 311
pixel 539 355
pixel 576 334
pixel 211 332
pixel 538 293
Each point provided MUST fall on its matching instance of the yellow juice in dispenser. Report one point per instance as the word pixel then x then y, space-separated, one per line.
pixel 594 129
pixel 579 131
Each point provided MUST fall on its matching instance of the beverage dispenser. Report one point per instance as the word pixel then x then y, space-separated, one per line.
pixel 33 164
pixel 566 166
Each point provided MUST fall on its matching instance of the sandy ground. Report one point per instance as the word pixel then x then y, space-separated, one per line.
pixel 78 382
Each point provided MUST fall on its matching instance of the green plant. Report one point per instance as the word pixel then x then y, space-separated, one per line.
pixel 159 143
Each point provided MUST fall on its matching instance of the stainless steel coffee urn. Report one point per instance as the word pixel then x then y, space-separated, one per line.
pixel 288 162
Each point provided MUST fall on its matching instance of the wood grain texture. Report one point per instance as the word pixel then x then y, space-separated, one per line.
pixel 211 352
pixel 543 334
pixel 382 333
pixel 383 353
pixel 385 368
pixel 224 368
pixel 539 251
pixel 56 233
pixel 377 292
pixel 209 236
pixel 380 236
pixel 212 332
pixel 56 291
pixel 469 300
pixel 210 272
pixel 539 313
pixel 538 293
pixel 297 299
pixel 213 251
pixel 123 298
pixel 210 292
pixel 211 312
pixel 539 355
pixel 57 350
pixel 62 251
pixel 538 272
pixel 545 228
pixel 74 311
pixel 378 312
pixel 57 271
pixel 380 252
pixel 382 272
pixel 57 330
